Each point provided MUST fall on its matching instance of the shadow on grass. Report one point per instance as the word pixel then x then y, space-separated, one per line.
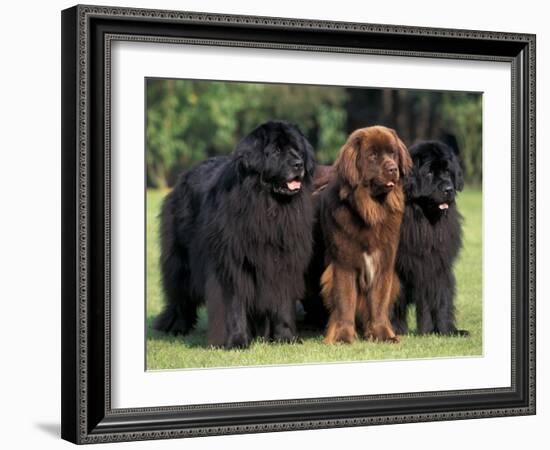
pixel 197 338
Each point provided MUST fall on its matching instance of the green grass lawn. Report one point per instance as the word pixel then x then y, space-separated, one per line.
pixel 169 352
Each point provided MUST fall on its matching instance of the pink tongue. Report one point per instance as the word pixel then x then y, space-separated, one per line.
pixel 294 184
pixel 390 184
pixel 444 206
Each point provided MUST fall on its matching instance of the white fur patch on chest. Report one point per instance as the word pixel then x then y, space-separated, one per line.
pixel 370 265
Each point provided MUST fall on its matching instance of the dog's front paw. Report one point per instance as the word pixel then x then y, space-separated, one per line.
pixel 285 335
pixel 381 333
pixel 464 333
pixel 237 340
pixel 451 331
pixel 340 332
pixel 400 327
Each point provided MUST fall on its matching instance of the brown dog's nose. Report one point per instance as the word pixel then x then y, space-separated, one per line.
pixel 392 170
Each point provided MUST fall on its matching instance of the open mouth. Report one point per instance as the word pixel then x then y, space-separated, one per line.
pixel 384 186
pixel 380 186
pixel 289 187
pixel 443 206
pixel 294 185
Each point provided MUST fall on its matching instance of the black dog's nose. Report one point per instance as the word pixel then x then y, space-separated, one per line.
pixel 298 164
pixel 448 190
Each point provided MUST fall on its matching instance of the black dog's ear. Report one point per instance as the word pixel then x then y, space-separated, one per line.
pixel 416 183
pixel 411 183
pixel 249 152
pixel 451 141
pixel 309 157
pixel 456 165
pixel 458 175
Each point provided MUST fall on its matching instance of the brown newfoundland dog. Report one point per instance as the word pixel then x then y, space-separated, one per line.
pixel 360 216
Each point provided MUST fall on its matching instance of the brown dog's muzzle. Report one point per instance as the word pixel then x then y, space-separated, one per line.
pixel 391 171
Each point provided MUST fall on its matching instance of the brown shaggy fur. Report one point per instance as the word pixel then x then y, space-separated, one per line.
pixel 360 216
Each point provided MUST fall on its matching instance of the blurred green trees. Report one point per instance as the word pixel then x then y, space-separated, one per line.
pixel 189 121
pixel 464 114
pixel 454 117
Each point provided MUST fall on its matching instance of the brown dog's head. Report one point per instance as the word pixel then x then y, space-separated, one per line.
pixel 373 157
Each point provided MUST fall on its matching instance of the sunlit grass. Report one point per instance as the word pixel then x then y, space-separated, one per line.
pixel 169 352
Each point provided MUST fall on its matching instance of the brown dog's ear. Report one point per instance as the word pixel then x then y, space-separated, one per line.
pixel 346 161
pixel 405 162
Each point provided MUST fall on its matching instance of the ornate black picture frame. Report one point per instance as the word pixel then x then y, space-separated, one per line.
pixel 87 34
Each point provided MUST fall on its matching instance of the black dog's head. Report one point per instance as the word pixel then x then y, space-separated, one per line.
pixel 279 154
pixel 436 176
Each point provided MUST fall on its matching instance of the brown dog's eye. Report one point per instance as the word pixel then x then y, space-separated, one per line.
pixel 372 157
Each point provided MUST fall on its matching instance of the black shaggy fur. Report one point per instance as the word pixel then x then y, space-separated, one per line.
pixel 431 238
pixel 237 235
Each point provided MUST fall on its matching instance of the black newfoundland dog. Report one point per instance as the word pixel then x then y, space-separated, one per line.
pixel 431 238
pixel 237 235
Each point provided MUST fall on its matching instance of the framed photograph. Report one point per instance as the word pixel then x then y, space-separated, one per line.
pixel 282 224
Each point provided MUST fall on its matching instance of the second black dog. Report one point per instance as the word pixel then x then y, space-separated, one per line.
pixel 431 238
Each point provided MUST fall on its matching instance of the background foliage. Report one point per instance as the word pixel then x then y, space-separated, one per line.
pixel 189 121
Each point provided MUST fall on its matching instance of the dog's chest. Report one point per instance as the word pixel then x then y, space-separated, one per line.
pixel 370 266
pixel 431 244
pixel 422 234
